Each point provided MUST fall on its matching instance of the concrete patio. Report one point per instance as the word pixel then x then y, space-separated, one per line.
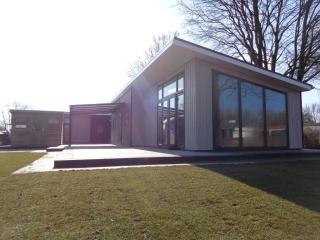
pixel 110 156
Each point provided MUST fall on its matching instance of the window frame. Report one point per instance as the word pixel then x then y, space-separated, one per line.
pixel 215 75
pixel 21 123
pixel 167 98
pixel 263 112
pixel 216 117
pixel 287 116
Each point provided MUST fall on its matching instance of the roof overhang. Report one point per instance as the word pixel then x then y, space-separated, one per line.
pixel 222 59
pixel 178 52
pixel 101 108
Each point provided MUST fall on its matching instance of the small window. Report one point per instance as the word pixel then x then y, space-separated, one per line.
pixel 20 123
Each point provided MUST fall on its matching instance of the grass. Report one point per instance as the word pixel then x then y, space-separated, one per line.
pixel 267 201
pixel 12 161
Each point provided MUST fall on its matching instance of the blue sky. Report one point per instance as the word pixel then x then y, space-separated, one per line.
pixel 57 53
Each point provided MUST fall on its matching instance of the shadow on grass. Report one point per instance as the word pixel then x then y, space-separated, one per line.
pixel 298 182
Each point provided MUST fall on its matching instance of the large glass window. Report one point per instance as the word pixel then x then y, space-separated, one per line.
pixel 252 115
pixel 228 122
pixel 248 115
pixel 171 113
pixel 276 117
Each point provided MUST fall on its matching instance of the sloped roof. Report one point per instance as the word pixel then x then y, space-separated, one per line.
pixel 179 51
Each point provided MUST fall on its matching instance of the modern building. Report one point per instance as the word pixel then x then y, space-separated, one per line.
pixel 193 98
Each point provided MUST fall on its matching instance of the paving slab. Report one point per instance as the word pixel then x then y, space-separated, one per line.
pixel 43 164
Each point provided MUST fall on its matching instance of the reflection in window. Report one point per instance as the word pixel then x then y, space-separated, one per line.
pixel 252 115
pixel 228 122
pixel 276 116
pixel 263 116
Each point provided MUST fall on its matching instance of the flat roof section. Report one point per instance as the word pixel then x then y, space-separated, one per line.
pixel 35 111
pixel 94 108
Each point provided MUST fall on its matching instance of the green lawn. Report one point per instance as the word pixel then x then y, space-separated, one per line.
pixel 267 201
pixel 12 161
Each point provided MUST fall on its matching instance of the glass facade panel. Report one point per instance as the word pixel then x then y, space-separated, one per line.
pixel 170 89
pixel 160 93
pixel 180 84
pixel 228 122
pixel 160 117
pixel 252 115
pixel 165 125
pixel 180 130
pixel 172 122
pixel 276 117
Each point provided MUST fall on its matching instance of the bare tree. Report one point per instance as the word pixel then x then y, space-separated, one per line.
pixel 158 43
pixel 5 116
pixel 311 113
pixel 278 35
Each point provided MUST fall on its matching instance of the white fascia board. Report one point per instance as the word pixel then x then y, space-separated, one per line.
pixel 224 58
